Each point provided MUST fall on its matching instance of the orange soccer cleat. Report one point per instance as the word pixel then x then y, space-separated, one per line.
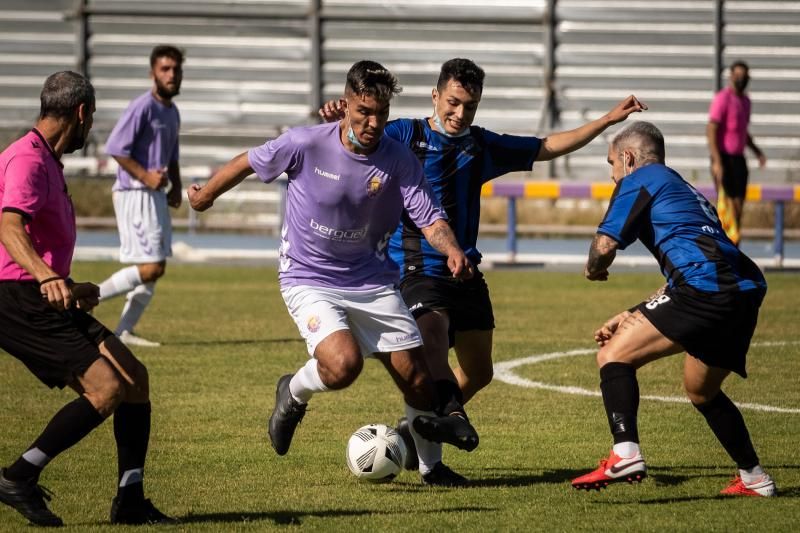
pixel 763 487
pixel 614 469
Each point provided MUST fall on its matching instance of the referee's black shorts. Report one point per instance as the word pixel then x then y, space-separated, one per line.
pixel 55 345
pixel 714 327
pixel 734 175
pixel 467 302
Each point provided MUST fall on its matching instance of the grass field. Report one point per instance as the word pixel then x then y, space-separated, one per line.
pixel 227 338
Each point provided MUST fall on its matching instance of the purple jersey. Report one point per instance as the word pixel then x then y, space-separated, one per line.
pixel 341 207
pixel 147 132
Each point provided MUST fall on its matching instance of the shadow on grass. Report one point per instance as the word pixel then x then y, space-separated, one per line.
pixel 502 478
pixel 232 342
pixel 296 517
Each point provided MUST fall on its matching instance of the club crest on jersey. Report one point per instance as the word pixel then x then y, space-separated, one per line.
pixel 375 185
pixel 313 324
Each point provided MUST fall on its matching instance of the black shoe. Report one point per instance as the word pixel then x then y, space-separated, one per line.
pixel 403 429
pixel 453 429
pixel 285 417
pixel 27 497
pixel 442 476
pixel 138 513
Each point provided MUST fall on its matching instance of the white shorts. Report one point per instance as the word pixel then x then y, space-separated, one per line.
pixel 145 226
pixel 378 318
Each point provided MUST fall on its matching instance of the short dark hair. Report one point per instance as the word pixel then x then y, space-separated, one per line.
pixel 740 63
pixel 63 92
pixel 644 139
pixel 465 72
pixel 167 50
pixel 368 78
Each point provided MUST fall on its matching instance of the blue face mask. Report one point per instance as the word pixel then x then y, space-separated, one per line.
pixel 351 136
pixel 440 126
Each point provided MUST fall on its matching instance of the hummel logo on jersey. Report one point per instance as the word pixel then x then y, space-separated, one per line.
pixel 326 174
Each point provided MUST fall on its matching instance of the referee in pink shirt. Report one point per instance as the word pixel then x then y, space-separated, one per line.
pixel 45 323
pixel 727 135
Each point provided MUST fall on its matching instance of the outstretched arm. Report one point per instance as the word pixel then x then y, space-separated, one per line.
pixel 229 176
pixel 441 237
pixel 568 141
pixel 601 254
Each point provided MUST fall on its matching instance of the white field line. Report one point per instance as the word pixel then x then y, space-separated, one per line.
pixel 504 371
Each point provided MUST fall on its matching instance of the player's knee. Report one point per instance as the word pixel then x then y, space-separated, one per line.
pixel 699 394
pixel 139 390
pixel 343 372
pixel 482 378
pixel 152 271
pixel 107 396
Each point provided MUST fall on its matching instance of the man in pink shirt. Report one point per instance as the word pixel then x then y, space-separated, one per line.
pixel 45 323
pixel 727 135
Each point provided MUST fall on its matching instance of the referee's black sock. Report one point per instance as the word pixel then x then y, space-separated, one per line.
pixel 728 425
pixel 132 433
pixel 73 422
pixel 621 399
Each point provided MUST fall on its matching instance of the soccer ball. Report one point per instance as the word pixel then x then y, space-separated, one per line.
pixel 376 453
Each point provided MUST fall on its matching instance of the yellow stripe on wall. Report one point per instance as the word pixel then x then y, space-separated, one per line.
pixel 487 189
pixel 602 191
pixel 753 193
pixel 797 193
pixel 542 189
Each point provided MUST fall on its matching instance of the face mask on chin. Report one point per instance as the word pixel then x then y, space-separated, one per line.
pixel 440 126
pixel 740 84
pixel 351 136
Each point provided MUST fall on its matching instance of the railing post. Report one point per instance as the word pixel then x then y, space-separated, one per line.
pixel 719 43
pixel 512 229
pixel 779 222
pixel 315 58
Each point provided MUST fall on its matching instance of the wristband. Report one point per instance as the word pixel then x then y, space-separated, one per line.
pixel 48 280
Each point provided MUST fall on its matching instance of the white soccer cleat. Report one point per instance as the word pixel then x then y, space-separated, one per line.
pixel 134 340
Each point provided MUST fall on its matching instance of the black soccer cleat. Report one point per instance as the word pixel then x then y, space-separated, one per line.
pixel 27 498
pixel 285 417
pixel 453 429
pixel 443 476
pixel 403 429
pixel 140 512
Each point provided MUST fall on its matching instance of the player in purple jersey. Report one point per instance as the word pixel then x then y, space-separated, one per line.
pixel 145 144
pixel 348 185
pixel 709 309
pixel 458 158
pixel 45 320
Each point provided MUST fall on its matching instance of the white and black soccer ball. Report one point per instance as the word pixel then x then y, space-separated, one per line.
pixel 376 453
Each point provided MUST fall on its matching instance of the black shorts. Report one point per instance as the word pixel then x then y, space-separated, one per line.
pixel 55 345
pixel 713 327
pixel 734 175
pixel 467 303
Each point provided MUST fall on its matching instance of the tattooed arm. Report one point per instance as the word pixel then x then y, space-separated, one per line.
pixel 601 254
pixel 441 237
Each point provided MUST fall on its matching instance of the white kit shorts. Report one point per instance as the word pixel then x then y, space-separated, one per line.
pixel 378 318
pixel 145 226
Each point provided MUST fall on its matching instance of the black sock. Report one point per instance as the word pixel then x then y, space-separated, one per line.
pixel 132 433
pixel 727 423
pixel 450 398
pixel 621 399
pixel 73 422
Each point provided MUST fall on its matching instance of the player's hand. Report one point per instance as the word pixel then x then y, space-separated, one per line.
pixel 332 110
pixel 197 199
pixel 623 109
pixel 174 197
pixel 596 276
pixel 460 266
pixel 155 179
pixel 57 293
pixel 762 160
pixel 86 295
pixel 607 330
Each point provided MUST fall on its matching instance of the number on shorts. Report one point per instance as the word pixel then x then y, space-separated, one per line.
pixel 655 302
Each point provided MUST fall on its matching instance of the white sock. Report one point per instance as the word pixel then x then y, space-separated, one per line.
pixel 428 452
pixel 120 282
pixel 306 382
pixel 752 475
pixel 626 449
pixel 137 301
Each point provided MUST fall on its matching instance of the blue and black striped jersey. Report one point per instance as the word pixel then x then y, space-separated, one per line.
pixel 681 229
pixel 456 168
